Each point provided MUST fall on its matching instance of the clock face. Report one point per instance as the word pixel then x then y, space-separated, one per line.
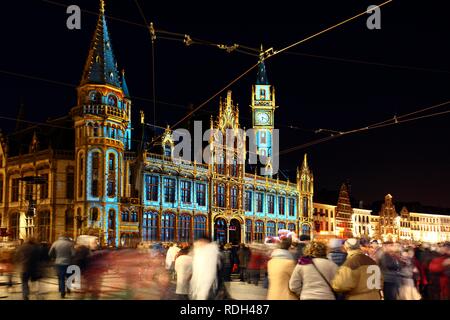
pixel 263 118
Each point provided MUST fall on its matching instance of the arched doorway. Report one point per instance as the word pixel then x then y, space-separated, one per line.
pixel 306 230
pixel 235 231
pixel 220 231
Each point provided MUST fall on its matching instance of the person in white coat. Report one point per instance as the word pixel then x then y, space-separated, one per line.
pixel 183 269
pixel 312 277
pixel 170 259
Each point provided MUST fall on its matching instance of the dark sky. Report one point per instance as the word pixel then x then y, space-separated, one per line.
pixel 411 161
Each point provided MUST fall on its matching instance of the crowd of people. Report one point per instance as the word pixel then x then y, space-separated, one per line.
pixel 290 268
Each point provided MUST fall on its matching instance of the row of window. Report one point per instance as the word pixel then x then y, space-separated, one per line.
pixel 29 189
pixel 257 231
pixel 259 197
pixel 152 190
pixel 38 226
pixel 163 227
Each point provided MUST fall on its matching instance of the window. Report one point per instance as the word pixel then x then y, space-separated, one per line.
pixel 96 130
pixel 270 229
pixel 259 202
pixel 44 187
pixel 185 191
pixel 43 226
pixel 112 100
pixel 1 189
pixel 152 183
pixel 80 181
pixel 133 217
pixel 305 207
pixel 69 222
pixel 281 226
pixel 111 227
pixel 199 227
pixel 150 226
pixel 259 231
pixel 15 190
pixel 201 194
pixel 234 168
pixel 263 137
pixel 70 181
pixel 262 94
pixel 305 229
pixel 29 191
pixel 168 227
pixel 291 227
pixel 220 233
pixel 248 201
pixel 14 225
pixel 221 195
pixel 169 190
pixel 95 174
pixel 281 205
pixel 111 187
pixel 168 150
pixel 270 203
pixel 93 217
pixel 125 216
pixel 221 165
pixel 248 231
pixel 234 197
pixel 184 228
pixel 291 207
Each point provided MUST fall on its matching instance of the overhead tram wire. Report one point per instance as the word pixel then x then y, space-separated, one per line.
pixel 270 53
pixel 386 123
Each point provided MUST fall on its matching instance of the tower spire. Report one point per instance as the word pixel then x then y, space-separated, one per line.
pixel 124 85
pixel 101 66
pixel 262 74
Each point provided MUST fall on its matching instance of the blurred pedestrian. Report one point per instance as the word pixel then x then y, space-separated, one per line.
pixel 407 289
pixel 279 270
pixel 312 276
pixel 390 267
pixel 170 259
pixel 205 282
pixel 243 256
pixel 29 260
pixel 255 263
pixel 62 250
pixel 439 273
pixel 227 264
pixel 300 245
pixel 354 279
pixel 336 253
pixel 183 269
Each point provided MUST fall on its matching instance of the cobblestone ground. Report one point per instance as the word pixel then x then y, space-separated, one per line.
pixel 115 288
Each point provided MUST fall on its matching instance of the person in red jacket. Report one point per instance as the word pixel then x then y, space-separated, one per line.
pixel 256 263
pixel 439 269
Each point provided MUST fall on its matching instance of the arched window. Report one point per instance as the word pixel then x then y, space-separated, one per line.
pixel 93 216
pixel 234 168
pixel 199 226
pixel 94 96
pixel 305 229
pixel 184 228
pixel 111 187
pixel 259 231
pixel 270 229
pixel 125 216
pixel 80 175
pixel 168 150
pixel 70 181
pixel 291 227
pixel 281 226
pixel 234 197
pixel 95 174
pixel 220 164
pixel 112 101
pixel 168 227
pixel 111 227
pixel 305 206
pixel 221 195
pixel 96 130
pixel 133 217
pixel 220 233
pixel 43 226
pixel 150 226
pixel 248 230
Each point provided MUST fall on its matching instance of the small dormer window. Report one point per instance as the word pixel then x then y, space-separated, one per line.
pixel 111 75
pixel 112 101
pixel 167 150
pixel 94 97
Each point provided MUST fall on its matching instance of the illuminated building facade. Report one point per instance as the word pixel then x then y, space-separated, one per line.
pixel 361 223
pixel 324 222
pixel 94 181
pixel 344 213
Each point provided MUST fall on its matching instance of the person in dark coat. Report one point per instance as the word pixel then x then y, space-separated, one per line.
pixel 29 259
pixel 390 267
pixel 226 262
pixel 336 252
pixel 244 257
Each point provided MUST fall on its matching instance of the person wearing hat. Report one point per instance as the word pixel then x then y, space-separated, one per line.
pixel 357 277
pixel 336 254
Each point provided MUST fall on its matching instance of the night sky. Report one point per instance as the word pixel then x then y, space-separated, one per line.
pixel 399 69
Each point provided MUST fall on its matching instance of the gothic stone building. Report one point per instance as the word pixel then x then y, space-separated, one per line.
pixel 80 174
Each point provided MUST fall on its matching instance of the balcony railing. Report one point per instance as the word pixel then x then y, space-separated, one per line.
pixel 101 110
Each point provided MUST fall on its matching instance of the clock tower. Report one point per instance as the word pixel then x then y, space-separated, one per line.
pixel 263 107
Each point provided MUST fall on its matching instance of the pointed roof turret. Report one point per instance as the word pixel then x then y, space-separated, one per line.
pixel 101 66
pixel 262 74
pixel 305 162
pixel 124 85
